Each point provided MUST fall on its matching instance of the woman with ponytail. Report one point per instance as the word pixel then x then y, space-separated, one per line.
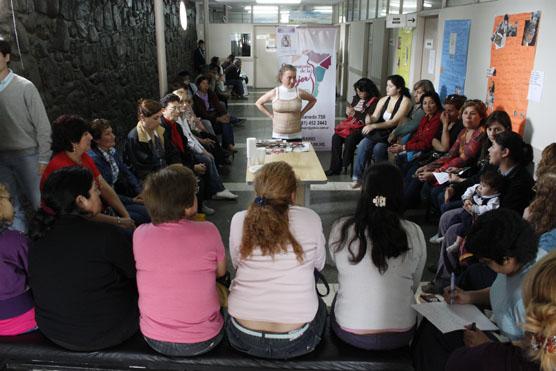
pixel 380 258
pixel 390 111
pixel 275 247
pixel 82 272
pixel 538 349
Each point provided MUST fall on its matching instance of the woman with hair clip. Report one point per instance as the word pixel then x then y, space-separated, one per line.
pixel 81 272
pixel 71 139
pixel 506 243
pixel 542 211
pixel 287 101
pixel 537 351
pixel 348 132
pixel 380 258
pixel 275 247
pixel 390 111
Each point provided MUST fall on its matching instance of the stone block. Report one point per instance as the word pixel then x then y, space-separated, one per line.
pixel 52 8
pixel 62 37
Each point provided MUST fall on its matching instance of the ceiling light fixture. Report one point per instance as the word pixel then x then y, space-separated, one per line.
pixel 276 2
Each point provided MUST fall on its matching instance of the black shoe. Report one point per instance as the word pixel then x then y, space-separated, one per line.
pixel 330 172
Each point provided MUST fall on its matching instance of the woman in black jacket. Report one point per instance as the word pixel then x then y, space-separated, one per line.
pixel 82 273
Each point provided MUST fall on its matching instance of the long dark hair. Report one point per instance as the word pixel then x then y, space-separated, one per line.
pixel 366 85
pixel 377 217
pixel 520 152
pixel 58 198
pixel 399 83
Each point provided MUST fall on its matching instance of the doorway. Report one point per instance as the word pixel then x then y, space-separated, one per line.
pixel 430 48
pixel 266 58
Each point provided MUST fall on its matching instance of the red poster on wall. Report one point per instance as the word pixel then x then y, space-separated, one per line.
pixel 512 58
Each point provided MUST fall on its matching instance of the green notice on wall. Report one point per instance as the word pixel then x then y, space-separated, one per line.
pixel 403 52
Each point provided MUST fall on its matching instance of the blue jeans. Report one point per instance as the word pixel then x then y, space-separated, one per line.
pixel 184 349
pixel 214 180
pixel 367 146
pixel 19 172
pixel 137 212
pixel 263 347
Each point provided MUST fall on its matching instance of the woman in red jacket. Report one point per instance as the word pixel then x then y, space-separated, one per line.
pixel 421 140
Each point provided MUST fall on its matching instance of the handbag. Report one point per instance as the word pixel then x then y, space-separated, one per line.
pixel 348 126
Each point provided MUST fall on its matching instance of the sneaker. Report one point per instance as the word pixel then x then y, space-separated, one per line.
pixel 207 210
pixel 224 195
pixel 355 184
pixel 437 238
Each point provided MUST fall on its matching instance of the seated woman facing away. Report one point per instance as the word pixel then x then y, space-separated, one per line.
pixel 71 139
pixel 275 247
pixel 539 346
pixel 81 272
pixel 17 312
pixel 380 259
pixel 506 243
pixel 112 168
pixel 178 261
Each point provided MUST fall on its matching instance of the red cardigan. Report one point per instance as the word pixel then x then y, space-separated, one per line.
pixel 426 131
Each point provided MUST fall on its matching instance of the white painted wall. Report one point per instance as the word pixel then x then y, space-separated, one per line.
pixel 541 128
pixel 218 44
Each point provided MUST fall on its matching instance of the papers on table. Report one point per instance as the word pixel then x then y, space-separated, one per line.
pixel 441 178
pixel 448 318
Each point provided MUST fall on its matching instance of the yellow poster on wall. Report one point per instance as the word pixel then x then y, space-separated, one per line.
pixel 403 53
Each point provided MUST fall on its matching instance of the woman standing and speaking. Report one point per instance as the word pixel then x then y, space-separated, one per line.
pixel 287 101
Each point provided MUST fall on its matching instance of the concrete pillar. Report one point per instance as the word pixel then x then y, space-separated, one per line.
pixel 160 46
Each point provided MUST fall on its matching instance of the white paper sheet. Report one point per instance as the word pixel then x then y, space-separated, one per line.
pixel 448 318
pixel 441 178
pixel 536 83
pixel 432 61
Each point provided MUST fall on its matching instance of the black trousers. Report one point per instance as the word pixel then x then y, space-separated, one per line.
pixel 343 157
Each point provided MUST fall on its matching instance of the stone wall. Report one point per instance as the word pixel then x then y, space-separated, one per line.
pixel 95 58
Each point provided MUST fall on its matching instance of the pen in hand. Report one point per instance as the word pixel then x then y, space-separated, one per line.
pixel 452 288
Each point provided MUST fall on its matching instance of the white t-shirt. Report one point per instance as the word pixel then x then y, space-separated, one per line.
pixel 370 301
pixel 278 289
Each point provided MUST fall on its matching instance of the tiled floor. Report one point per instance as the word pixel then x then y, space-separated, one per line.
pixel 330 201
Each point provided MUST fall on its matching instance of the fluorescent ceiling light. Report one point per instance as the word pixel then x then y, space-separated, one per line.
pixel 274 2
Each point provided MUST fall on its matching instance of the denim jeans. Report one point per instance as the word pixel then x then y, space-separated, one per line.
pixel 19 172
pixel 185 349
pixel 214 180
pixel 366 146
pixel 260 346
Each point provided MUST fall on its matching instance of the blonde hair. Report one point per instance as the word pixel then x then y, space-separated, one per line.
pixel 283 68
pixel 184 95
pixel 539 297
pixel 542 211
pixel 6 216
pixel 548 159
pixel 266 224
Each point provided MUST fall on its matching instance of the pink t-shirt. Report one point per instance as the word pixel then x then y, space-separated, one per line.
pixel 278 289
pixel 176 278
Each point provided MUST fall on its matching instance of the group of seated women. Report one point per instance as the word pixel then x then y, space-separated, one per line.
pixel 93 293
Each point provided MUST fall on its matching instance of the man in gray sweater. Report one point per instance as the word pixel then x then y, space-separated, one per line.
pixel 25 137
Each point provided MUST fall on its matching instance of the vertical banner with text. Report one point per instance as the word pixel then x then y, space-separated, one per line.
pixel 315 60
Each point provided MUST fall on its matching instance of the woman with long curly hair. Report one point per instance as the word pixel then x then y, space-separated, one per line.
pixel 548 159
pixel 542 211
pixel 275 248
